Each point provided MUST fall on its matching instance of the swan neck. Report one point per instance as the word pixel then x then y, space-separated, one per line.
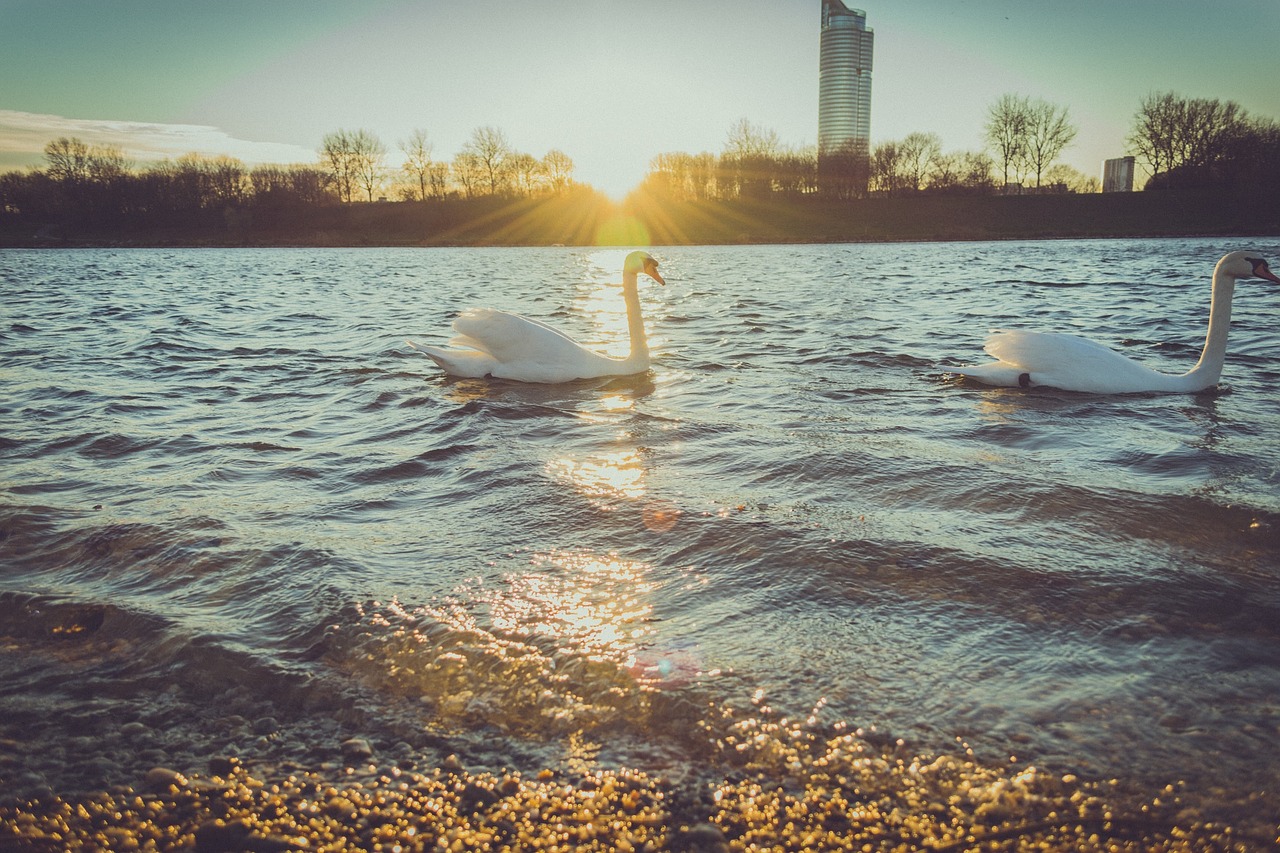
pixel 1209 368
pixel 639 356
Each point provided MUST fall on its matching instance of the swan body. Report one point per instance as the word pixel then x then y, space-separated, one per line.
pixel 1072 363
pixel 494 343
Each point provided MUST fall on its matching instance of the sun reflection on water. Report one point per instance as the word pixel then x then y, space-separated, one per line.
pixel 607 478
pixel 595 604
pixel 566 643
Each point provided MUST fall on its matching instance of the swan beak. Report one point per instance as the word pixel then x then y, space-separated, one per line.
pixel 651 270
pixel 1263 271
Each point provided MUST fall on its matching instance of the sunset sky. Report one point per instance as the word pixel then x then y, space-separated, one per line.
pixel 610 83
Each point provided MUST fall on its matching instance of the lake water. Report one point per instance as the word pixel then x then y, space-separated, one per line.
pixel 238 515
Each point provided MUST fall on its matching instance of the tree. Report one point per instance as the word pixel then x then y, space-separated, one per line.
pixel 417 162
pixel 490 148
pixel 918 156
pixel 1072 178
pixel 370 157
pixel 1006 131
pixel 336 153
pixel 886 167
pixel 468 171
pixel 526 172
pixel 750 158
pixel 228 181
pixel 1048 131
pixel 438 176
pixel 977 171
pixel 844 171
pixel 354 159
pixel 68 159
pixel 1196 135
pixel 558 168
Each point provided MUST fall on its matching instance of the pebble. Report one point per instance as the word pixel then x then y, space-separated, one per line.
pixel 265 725
pixel 355 749
pixel 163 777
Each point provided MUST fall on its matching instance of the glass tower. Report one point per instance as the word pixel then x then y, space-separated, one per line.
pixel 844 88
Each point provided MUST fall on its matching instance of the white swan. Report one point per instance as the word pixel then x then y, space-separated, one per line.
pixel 1077 364
pixel 507 346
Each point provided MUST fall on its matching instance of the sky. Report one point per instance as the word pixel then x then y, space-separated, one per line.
pixel 608 82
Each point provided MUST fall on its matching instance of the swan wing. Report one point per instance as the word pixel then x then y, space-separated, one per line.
pixel 509 337
pixel 1046 351
pixel 527 350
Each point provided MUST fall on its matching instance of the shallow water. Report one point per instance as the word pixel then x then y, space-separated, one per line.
pixel 231 497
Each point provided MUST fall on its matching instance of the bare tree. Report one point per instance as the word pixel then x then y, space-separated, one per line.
pixel 918 155
pixel 490 148
pixel 1006 130
pixel 228 182
pixel 1071 178
pixel 750 157
pixel 438 177
pixel 370 157
pixel 844 172
pixel 336 152
pixel 1202 142
pixel 683 176
pixel 526 173
pixel 977 171
pixel 417 163
pixel 1048 131
pixel 559 170
pixel 468 171
pixel 68 159
pixel 1155 131
pixel 886 167
pixel 107 163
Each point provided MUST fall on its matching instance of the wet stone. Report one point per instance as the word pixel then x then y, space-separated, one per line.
pixel 223 765
pixel 265 725
pixel 162 777
pixel 356 749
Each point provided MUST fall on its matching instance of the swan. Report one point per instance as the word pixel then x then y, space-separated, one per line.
pixel 507 346
pixel 1073 363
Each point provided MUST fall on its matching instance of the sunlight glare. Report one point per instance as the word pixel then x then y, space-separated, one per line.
pixel 609 478
pixel 590 603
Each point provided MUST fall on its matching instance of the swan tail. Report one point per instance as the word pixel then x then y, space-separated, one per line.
pixel 465 363
pixel 998 373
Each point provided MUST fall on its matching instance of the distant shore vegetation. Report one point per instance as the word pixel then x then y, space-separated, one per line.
pixel 755 189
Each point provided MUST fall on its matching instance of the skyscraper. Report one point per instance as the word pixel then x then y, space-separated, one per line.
pixel 844 93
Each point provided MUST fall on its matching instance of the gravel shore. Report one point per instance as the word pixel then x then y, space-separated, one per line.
pixel 799 794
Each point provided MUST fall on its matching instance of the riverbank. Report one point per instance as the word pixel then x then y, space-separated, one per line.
pixel 831 794
pixel 586 218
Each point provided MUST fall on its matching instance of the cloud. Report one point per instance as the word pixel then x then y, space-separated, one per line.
pixel 23 137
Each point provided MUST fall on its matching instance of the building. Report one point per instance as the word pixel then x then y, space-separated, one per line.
pixel 844 94
pixel 1117 175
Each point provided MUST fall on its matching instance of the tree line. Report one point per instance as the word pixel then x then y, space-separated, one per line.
pixel 1181 142
pixel 97 185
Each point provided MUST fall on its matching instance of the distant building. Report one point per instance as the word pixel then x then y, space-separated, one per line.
pixel 844 94
pixel 1117 175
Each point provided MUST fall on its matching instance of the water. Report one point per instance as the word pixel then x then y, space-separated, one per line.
pixel 239 513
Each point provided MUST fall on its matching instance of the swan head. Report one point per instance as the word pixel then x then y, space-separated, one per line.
pixel 1246 265
pixel 642 262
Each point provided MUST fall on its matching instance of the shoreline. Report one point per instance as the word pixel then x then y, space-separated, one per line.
pixel 586 219
pixel 843 797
